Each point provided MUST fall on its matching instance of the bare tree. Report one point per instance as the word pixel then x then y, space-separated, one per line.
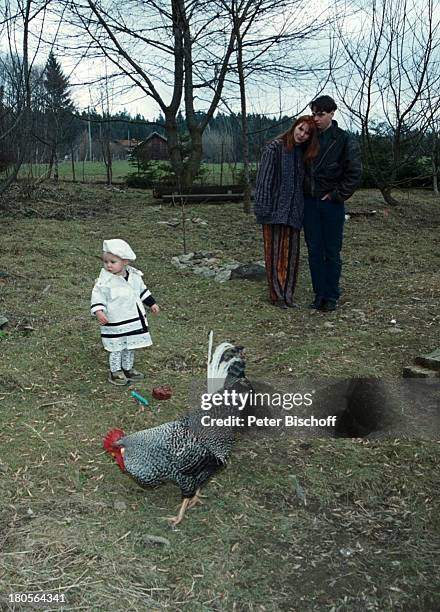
pixel 21 21
pixel 433 134
pixel 17 68
pixel 388 64
pixel 177 53
pixel 239 36
pixel 268 34
pixel 435 160
pixel 105 132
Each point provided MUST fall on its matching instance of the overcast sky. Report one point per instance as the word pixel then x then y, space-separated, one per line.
pixel 270 96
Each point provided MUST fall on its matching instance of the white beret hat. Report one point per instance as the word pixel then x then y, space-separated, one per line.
pixel 119 247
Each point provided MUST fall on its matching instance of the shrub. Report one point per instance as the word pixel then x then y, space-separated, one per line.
pixel 150 173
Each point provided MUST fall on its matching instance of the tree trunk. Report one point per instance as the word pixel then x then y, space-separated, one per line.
pixel 73 163
pixel 55 168
pixel 221 163
pixel 435 157
pixel 48 172
pixel 104 137
pixel 109 167
pixel 108 164
pixel 192 165
pixel 174 147
pixel 244 124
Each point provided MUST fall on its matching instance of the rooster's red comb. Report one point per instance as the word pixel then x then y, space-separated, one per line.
pixel 113 436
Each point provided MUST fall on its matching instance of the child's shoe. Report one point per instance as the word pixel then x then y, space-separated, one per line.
pixel 133 374
pixel 118 378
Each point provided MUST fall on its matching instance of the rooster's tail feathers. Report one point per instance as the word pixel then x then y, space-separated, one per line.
pixel 220 363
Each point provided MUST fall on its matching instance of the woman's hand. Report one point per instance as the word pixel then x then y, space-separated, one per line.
pixel 155 309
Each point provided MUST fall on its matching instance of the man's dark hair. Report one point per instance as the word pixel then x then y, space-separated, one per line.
pixel 323 103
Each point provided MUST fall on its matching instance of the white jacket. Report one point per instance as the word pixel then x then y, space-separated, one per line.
pixel 122 301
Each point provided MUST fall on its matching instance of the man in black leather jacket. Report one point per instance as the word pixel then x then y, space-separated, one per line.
pixel 330 179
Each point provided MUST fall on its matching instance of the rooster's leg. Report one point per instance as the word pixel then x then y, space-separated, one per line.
pixel 195 500
pixel 175 520
pixel 188 502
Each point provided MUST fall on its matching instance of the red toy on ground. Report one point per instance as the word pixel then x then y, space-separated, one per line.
pixel 163 392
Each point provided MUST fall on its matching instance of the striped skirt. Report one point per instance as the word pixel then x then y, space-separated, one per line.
pixel 281 254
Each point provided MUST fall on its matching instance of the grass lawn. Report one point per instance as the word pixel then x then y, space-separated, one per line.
pixel 365 534
pixel 90 172
pixel 87 172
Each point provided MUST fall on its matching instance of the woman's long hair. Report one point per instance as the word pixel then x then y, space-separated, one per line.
pixel 311 146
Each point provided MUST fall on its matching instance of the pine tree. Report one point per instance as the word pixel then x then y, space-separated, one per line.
pixel 58 108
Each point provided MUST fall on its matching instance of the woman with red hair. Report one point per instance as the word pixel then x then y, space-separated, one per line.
pixel 279 204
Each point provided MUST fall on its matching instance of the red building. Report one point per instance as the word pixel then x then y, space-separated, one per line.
pixel 154 147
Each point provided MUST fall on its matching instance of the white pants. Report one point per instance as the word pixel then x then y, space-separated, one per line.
pixel 121 360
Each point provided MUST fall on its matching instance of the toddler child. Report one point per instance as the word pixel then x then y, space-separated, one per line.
pixel 119 298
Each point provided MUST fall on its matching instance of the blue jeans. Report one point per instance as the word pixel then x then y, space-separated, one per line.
pixel 323 232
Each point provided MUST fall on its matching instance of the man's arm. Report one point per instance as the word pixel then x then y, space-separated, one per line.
pixel 352 174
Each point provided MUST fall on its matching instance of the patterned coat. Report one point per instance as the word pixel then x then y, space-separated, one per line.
pixel 279 186
pixel 123 302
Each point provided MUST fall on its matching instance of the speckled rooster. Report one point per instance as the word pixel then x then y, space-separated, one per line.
pixel 185 451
